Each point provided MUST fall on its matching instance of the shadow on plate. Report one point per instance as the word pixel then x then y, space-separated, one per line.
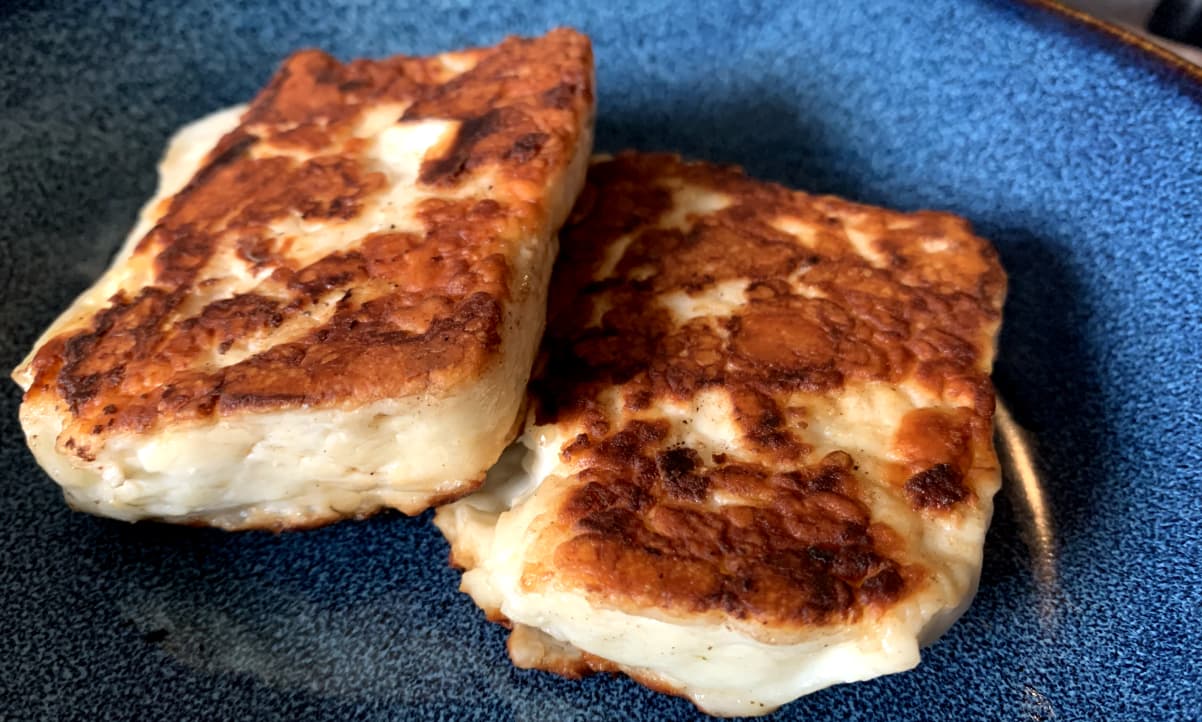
pixel 357 614
pixel 1048 385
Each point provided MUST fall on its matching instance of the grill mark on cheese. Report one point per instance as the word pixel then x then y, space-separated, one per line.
pixel 797 545
pixel 447 169
pixel 420 311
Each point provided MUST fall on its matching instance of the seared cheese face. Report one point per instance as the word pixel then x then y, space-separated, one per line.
pixel 333 302
pixel 759 458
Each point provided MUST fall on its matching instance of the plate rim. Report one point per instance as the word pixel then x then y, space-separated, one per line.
pixel 1169 65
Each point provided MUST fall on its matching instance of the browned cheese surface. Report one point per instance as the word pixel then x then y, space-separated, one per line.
pixel 783 536
pixel 413 311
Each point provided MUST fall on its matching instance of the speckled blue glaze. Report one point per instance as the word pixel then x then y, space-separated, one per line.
pixel 1078 156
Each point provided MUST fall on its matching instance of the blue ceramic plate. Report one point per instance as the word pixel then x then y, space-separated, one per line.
pixel 1079 154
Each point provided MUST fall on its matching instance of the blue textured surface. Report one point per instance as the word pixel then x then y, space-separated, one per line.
pixel 1077 156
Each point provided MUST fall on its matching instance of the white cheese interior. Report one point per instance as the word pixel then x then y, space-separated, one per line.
pixel 305 465
pixel 292 466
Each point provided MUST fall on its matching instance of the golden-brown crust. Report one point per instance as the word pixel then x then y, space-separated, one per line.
pixel 415 311
pixel 799 549
pixel 854 295
pixel 914 315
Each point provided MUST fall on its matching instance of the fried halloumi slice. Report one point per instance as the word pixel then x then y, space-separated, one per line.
pixel 759 460
pixel 333 303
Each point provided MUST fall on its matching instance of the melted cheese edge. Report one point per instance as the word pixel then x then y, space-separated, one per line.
pixel 723 670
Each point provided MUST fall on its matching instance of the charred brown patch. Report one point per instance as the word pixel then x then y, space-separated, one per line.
pixel 679 467
pixel 527 147
pixel 792 554
pixel 939 487
pixel 449 168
